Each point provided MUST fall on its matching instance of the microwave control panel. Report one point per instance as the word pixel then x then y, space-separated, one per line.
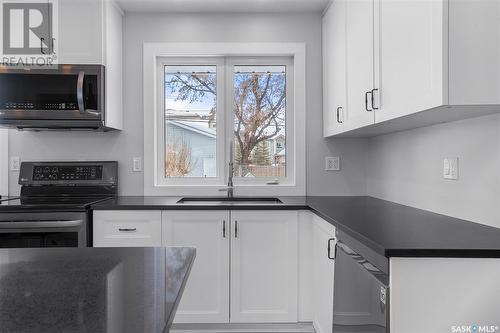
pixel 40 106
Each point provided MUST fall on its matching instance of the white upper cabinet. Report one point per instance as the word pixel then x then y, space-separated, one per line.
pixel 264 266
pixel 334 68
pixel 88 30
pixel 81 32
pixel 474 60
pixel 431 62
pixel 359 42
pixel 412 49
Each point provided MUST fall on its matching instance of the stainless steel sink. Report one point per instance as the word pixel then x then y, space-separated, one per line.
pixel 230 201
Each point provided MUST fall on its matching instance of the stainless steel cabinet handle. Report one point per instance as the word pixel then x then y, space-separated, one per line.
pixel 224 229
pixel 235 229
pixel 52 45
pixel 41 45
pixel 373 99
pixel 330 249
pixel 366 100
pixel 127 229
pixel 338 115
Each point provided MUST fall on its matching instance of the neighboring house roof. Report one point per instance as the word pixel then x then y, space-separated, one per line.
pixel 195 128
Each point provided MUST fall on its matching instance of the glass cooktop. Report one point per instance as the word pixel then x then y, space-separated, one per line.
pixel 43 202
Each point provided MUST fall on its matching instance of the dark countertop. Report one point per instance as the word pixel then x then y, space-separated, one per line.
pixel 92 289
pixel 170 203
pixel 388 228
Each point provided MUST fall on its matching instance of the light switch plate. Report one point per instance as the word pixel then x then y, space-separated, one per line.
pixel 450 168
pixel 15 163
pixel 137 164
pixel 332 163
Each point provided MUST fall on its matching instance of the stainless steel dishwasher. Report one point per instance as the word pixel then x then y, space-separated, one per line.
pixel 361 294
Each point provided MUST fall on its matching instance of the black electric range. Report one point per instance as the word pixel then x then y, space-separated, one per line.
pixel 53 208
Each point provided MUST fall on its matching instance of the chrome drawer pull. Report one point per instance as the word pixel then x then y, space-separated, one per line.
pixel 127 229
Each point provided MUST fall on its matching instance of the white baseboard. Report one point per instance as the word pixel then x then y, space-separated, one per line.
pixel 243 328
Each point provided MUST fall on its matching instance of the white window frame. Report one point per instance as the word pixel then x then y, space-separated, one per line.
pixel 290 137
pixel 153 55
pixel 160 135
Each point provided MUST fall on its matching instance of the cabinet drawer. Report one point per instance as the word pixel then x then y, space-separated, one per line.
pixel 127 228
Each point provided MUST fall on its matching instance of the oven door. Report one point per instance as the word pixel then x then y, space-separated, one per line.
pixel 32 232
pixel 361 294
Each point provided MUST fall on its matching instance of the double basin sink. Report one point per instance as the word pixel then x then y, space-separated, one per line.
pixel 229 201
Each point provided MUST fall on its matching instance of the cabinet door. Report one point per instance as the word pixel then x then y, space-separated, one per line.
pixel 206 296
pixel 264 266
pixel 323 272
pixel 412 57
pixel 80 32
pixel 334 68
pixel 360 68
pixel 125 228
pixel 474 48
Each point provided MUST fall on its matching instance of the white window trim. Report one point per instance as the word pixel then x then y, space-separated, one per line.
pixel 153 52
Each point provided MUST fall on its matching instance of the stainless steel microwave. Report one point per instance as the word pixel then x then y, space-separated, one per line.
pixel 66 97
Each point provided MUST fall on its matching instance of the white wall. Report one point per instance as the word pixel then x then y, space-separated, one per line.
pixel 407 167
pixel 140 28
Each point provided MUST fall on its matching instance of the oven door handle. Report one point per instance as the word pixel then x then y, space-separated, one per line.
pixel 79 96
pixel 40 224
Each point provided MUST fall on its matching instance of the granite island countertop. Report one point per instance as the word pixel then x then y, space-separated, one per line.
pixel 388 228
pixel 92 289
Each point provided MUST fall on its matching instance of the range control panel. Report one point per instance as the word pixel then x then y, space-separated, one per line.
pixel 91 173
pixel 58 172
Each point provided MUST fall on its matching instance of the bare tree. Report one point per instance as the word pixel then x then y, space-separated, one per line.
pixel 259 105
pixel 178 160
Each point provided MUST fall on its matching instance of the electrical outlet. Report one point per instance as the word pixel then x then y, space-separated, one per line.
pixel 332 163
pixel 15 163
pixel 137 164
pixel 450 168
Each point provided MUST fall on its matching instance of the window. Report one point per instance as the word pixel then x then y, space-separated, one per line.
pixel 259 108
pixel 201 99
pixel 190 121
pixel 209 104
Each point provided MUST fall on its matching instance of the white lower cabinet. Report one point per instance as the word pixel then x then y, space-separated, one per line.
pixel 127 228
pixel 264 266
pixel 323 274
pixel 257 285
pixel 206 296
pixel 247 262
